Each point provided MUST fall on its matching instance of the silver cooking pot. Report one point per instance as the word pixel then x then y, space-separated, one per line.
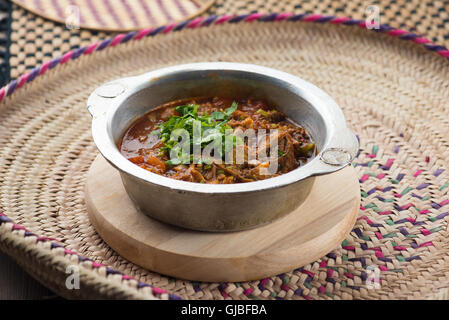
pixel 117 104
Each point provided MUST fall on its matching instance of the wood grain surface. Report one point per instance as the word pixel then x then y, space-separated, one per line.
pixel 16 284
pixel 304 235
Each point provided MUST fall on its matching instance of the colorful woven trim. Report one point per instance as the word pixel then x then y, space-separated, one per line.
pixel 214 20
pixel 207 21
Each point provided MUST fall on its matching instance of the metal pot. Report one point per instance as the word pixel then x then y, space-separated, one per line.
pixel 115 105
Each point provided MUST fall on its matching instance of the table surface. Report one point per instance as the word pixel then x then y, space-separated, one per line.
pixel 428 17
pixel 17 284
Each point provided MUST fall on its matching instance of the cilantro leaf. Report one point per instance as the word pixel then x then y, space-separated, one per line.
pixel 232 108
pixel 217 115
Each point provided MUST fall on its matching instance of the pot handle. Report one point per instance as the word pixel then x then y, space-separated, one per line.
pixel 340 153
pixel 102 97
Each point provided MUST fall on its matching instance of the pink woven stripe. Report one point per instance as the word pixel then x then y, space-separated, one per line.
pixel 58 9
pixel 112 12
pixel 253 16
pixel 312 17
pixel 195 23
pixel 364 177
pixel 407 206
pixel 164 10
pixel 283 16
pixel 339 20
pixel 91 48
pixel 170 27
pixel 2 93
pixel 95 13
pixel 181 8
pixel 142 33
pixel 421 40
pixel 444 53
pixel 19 227
pixel 66 57
pixel 97 265
pixel 130 12
pixel 44 68
pixel 23 80
pixel 224 18
pixel 397 32
pixel 426 244
pixel 117 39
pixel 366 219
pixel 158 291
pixel 148 12
pixel 39 6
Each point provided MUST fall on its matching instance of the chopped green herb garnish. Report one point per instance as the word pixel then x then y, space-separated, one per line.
pixel 262 112
pixel 305 150
pixel 211 128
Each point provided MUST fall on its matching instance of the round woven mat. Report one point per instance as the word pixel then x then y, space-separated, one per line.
pixel 394 94
pixel 114 15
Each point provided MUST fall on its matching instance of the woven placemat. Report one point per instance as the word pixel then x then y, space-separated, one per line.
pixel 393 92
pixel 116 15
pixel 5 18
pixel 35 40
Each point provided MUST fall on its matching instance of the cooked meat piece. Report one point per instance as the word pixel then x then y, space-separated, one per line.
pixel 233 173
pixel 287 159
pixel 276 116
pixel 246 124
pixel 196 175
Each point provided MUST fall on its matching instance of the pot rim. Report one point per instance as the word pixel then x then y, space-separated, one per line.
pixel 339 148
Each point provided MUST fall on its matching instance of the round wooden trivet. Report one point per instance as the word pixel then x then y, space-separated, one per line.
pixel 304 235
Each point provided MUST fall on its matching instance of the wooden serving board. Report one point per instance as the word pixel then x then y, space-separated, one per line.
pixel 315 228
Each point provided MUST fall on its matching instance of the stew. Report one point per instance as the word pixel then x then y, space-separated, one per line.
pixel 199 140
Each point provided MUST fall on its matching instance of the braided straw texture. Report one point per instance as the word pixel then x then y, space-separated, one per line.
pixel 117 15
pixel 394 94
pixel 35 40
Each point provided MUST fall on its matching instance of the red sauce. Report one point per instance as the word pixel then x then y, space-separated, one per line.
pixel 149 151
